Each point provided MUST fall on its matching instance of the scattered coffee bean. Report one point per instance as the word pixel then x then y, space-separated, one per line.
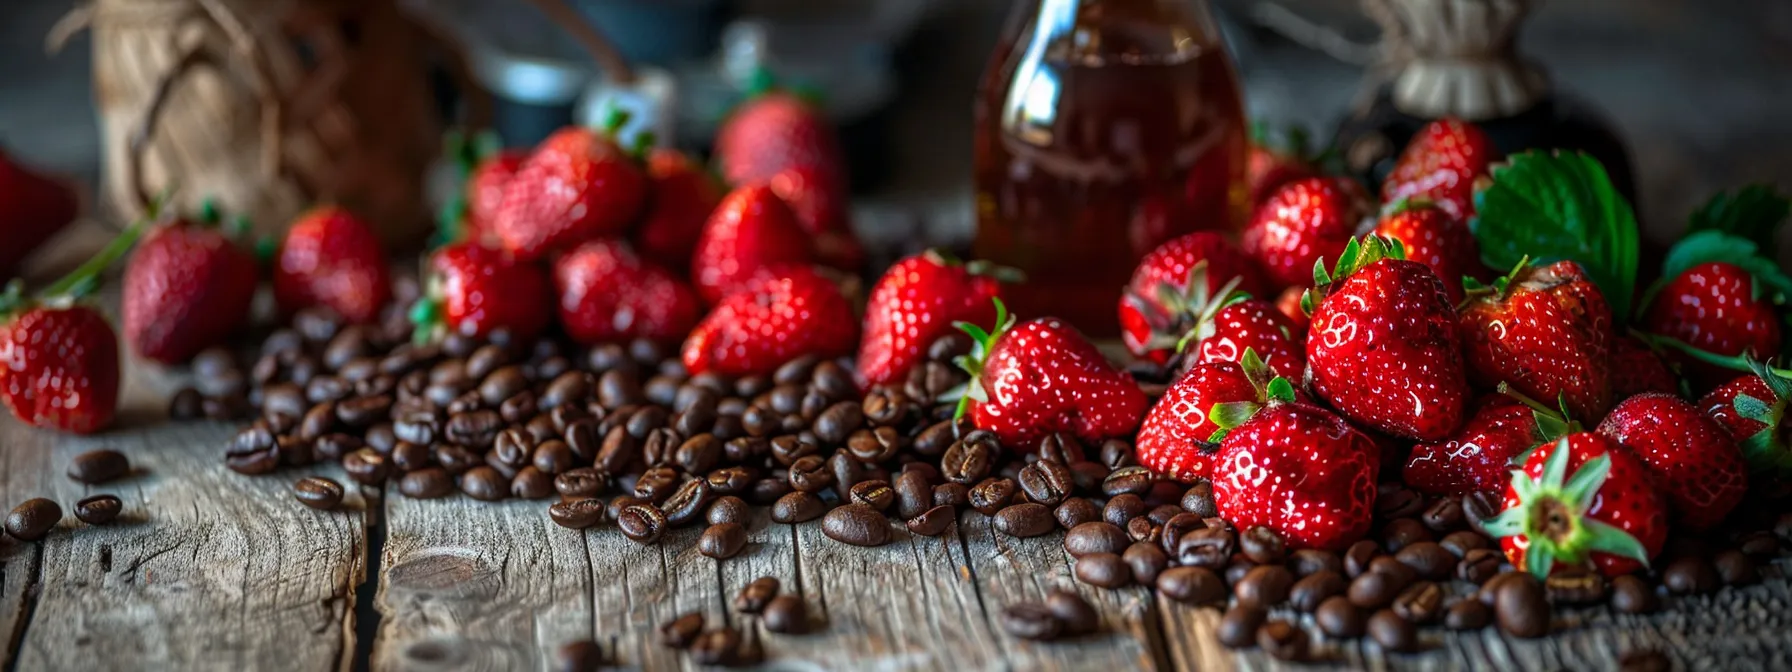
pixel 99 509
pixel 952 494
pixel 754 597
pixel 1337 617
pixel 1392 632
pixel 1402 532
pixel 932 522
pixel 427 483
pixel 913 494
pixel 1358 557
pixel 1264 585
pixel 580 482
pixel 1105 570
pixel 1467 614
pixel 1147 560
pixel 687 503
pixel 798 507
pixel 1690 575
pixel 1283 640
pixel 1263 546
pixel 856 524
pixel 722 540
pixel 1395 500
pixel 1420 603
pixel 1461 542
pixel 682 631
pixel 1444 516
pixel 1095 537
pixel 33 519
pixel 1479 565
pixel 970 459
pixel 1374 590
pixel 98 466
pixel 1632 595
pixel 1191 585
pixel 1209 547
pixel 531 483
pixel 1123 508
pixel 1031 620
pixel 1198 500
pixel 1134 480
pixel 1314 589
pixel 579 656
pixel 1388 564
pixel 876 494
pixel 1478 508
pixel 642 523
pixel 786 614
pixel 1046 482
pixel 1735 568
pixel 1430 560
pixel 1491 588
pixel 577 514
pixel 728 509
pixel 1309 561
pixel 1522 607
pixel 1238 627
pixel 1076 511
pixel 484 484
pixel 318 492
pixel 1075 613
pixel 1575 586
pixel 1025 520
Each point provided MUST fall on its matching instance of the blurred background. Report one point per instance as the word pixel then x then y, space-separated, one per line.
pixel 1699 90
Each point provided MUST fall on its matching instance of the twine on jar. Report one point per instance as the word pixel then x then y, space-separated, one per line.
pixel 1455 58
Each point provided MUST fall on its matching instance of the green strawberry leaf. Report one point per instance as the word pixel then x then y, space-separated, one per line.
pixel 1232 414
pixel 1712 246
pixel 1281 390
pixel 1555 206
pixel 1754 213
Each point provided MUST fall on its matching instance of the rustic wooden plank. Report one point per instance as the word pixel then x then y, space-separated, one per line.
pixel 639 587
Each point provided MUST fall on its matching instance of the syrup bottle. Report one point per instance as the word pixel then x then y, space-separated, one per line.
pixel 1103 129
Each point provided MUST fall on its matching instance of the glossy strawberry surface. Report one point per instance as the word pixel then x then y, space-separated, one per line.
pixel 1693 459
pixel 485 190
pixel 1715 307
pixel 1383 349
pixel 684 195
pixel 915 302
pixel 1636 369
pixel 1042 376
pixel 1253 324
pixel 1437 239
pixel 778 316
pixel 576 186
pixel 1548 333
pixel 1305 221
pixel 1174 439
pixel 1478 457
pixel 59 368
pixel 774 132
pixel 186 288
pixel 751 230
pixel 1440 164
pixel 482 289
pixel 1625 499
pixel 607 294
pixel 1300 470
pixel 332 258
pixel 1158 309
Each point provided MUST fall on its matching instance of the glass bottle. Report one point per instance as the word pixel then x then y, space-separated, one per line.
pixel 1103 128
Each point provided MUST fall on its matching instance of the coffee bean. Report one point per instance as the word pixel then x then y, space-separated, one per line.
pixel 728 509
pixel 1025 520
pixel 318 492
pixel 1575 586
pixel 514 448
pixel 875 446
pixel 1402 532
pixel 645 420
pixel 1461 542
pixel 1263 545
pixel 33 519
pixel 1760 544
pixel 569 387
pixel 1735 568
pixel 619 387
pixel 681 632
pixel 459 459
pixel 1209 547
pixel 810 474
pixel 1105 570
pixel 1074 613
pixel 1031 620
pixel 1467 614
pixel 1632 595
pixel 253 452
pixel 838 422
pixel 1479 565
pixel 686 504
pixel 1238 627
pixel 1176 527
pixel 786 614
pixel 1489 590
pixel 1645 661
pixel 951 494
pixel 1076 511
pixel 642 523
pixel 1338 618
pixel 847 472
pixel 1095 537
pixel 798 507
pixel 1282 640
pixel 577 514
pixel 756 595
pixel 913 494
pixel 407 456
pixel 485 484
pixel 1162 513
pixel 1444 516
pixel 1420 603
pixel 1395 500
pixel 1314 589
pixel 741 481
pixel 617 453
pixel 531 483
pixel 1480 507
pixel 98 466
pixel 992 495
pixel 581 482
pixel 1309 561
pixel 1117 454
pixel 932 522
pixel 1046 482
pixel 364 411
pixel 1358 557
pixel 970 459
pixel 1191 585
pixel 1198 500
pixel 421 426
pixel 1134 480
pixel 1236 568
pixel 1428 559
pixel 722 540
pixel 579 656
pixel 1147 560
pixel 1264 585
pixel 856 524
pixel 1690 575
pixel 552 457
pixel 1392 632
pixel 875 494
pixel 1374 590
pixel 99 509
pixel 1522 607
pixel 427 483
pixel 748 449
pixel 1123 508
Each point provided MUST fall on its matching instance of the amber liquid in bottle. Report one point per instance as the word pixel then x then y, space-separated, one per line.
pixel 1103 129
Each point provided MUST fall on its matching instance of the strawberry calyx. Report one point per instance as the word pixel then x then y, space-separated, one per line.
pixel 1181 316
pixel 977 267
pixel 1766 448
pixel 1552 423
pixel 1271 389
pixel 1358 254
pixel 1474 290
pixel 1551 514
pixel 982 342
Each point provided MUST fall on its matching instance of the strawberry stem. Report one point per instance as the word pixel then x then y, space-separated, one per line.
pixel 982 343
pixel 85 278
pixel 1552 515
pixel 1737 363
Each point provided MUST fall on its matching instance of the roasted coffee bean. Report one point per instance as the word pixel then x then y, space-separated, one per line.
pixel 1631 595
pixel 642 523
pixel 1420 603
pixel 992 495
pixel 99 509
pixel 579 483
pixel 1760 544
pixel 318 421
pixel 363 411
pixel 1123 508
pixel 795 372
pixel 284 399
pixel 1575 586
pixel 349 344
pixel 186 404
pixel 366 467
pixel 279 423
pixel 294 452
pixel 1141 529
pixel 1374 590
pixel 1735 568
pixel 1690 575
pixel 552 457
pixel 935 440
pixel 1076 511
pixel 913 494
pixel 757 594
pixel 1308 561
pixel 1338 618
pixel 1095 537
pixel 1209 547
pixel 727 427
pixel 1031 620
pixel 785 614
pixel 531 483
pixel 579 656
pixel 1117 454
pixel 1162 513
pixel 1522 607
pixel 1403 532
pixel 1061 448
pixel 618 452
pixel 645 420
pixel 578 514
pixel 875 494
pixel 1490 590
pixel 786 449
pixel 1237 567
pixel 98 466
pixel 422 426
pixel 1046 482
pixel 1313 589
pixel 951 494
pixel 1147 560
pixel 1076 615
pixel 33 519
pixel 619 387
pixel 1467 614
pixel 847 473
pixel 1025 520
pixel 335 446
pixel 656 484
pixel 318 492
pixel 681 632
pixel 616 504
pixel 660 447
pixel 253 452
pixel 1479 507
pixel 831 379
pixel 1263 546
pixel 838 422
pixel 1133 480
pixel 1174 528
pixel 760 422
pixel 1264 585
pixel 475 429
pixel 737 481
pixel 1388 564
pixel 485 484
pixel 970 459
pixel 1428 559
pixel 949 346
pixel 722 540
pixel 505 383
pixel 727 509
pixel 856 524
pixel 874 446
pixel 932 522
pixel 1444 515
pixel 1191 585
pixel 327 388
pixel 1282 640
pixel 885 406
pixel 798 507
pixel 1392 632
pixel 810 474
pixel 1238 627
pixel 568 387
pixel 749 449
pixel 456 459
pixel 1479 565
pixel 1358 557
pixel 1198 500
pixel 1395 500
pixel 1461 542
pixel 686 504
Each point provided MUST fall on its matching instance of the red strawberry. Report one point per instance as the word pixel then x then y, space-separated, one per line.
pixel 1582 499
pixel 1267 168
pixel 1289 305
pixel 578 185
pixel 1719 308
pixel 1440 164
pixel 1303 223
pixel 1636 369
pixel 1694 460
pixel 331 258
pixel 684 194
pixel 1478 457
pixel 1180 435
pixel 1250 325
pixel 186 288
pixel 1752 409
pixel 778 316
pixel 1434 238
pixel 820 207
pixel 1043 376
pixel 607 294
pixel 775 131
pixel 752 229
pixel 1383 347
pixel 475 290
pixel 485 190
pixel 1175 286
pixel 34 207
pixel 915 303
pixel 1300 470
pixel 1547 332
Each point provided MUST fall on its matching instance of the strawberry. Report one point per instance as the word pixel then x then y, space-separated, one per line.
pixel 474 290
pixel 684 194
pixel 1606 512
pixel 775 131
pixel 1250 325
pixel 187 287
pixel 1434 238
pixel 1268 167
pixel 1441 164
pixel 331 258
pixel 1752 409
pixel 915 303
pixel 1692 458
pixel 485 190
pixel 576 186
pixel 820 207
pixel 34 208
pixel 1179 436
pixel 1716 307
pixel 779 315
pixel 1304 222
pixel 607 294
pixel 1479 456
pixel 1289 305
pixel 1176 285
pixel 1545 330
pixel 752 229
pixel 1300 470
pixel 1636 368
pixel 1042 376
pixel 1383 346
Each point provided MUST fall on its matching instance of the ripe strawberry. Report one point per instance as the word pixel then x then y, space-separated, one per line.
pixel 1752 409
pixel 1268 167
pixel 915 303
pixel 331 258
pixel 1440 164
pixel 779 315
pixel 1250 325
pixel 34 207
pixel 187 287
pixel 1478 457
pixel 1304 222
pixel 578 185
pixel 1546 331
pixel 1043 376
pixel 1180 435
pixel 1434 238
pixel 475 290
pixel 607 294
pixel 1693 459
pixel 684 195
pixel 1719 308
pixel 1175 286
pixel 820 207
pixel 775 131
pixel 1289 305
pixel 1300 470
pixel 752 229
pixel 1383 347
pixel 485 190
pixel 1636 369
pixel 1606 512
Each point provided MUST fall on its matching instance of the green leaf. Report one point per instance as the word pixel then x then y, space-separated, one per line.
pixel 1556 206
pixel 1604 538
pixel 1508 523
pixel 1754 213
pixel 1712 246
pixel 1233 413
pixel 1586 480
pixel 1751 408
pixel 1540 558
pixel 1281 390
pixel 1555 468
